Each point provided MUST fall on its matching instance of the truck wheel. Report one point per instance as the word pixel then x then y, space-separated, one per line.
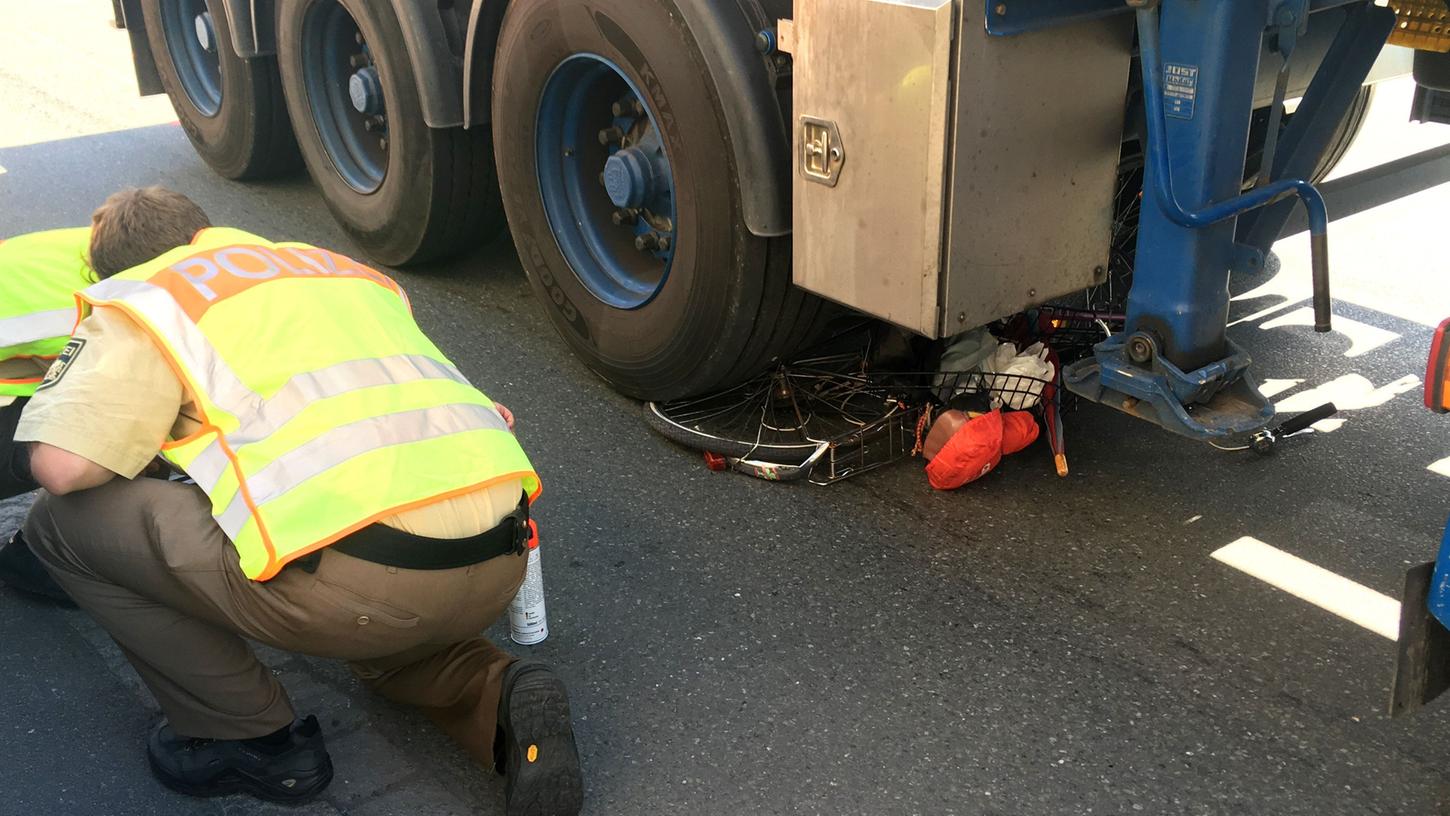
pixel 621 193
pixel 231 108
pixel 407 193
pixel 1344 136
pixel 1339 142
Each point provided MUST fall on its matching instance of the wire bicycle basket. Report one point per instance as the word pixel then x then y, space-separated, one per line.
pixel 829 418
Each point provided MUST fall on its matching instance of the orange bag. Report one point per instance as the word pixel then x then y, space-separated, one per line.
pixel 978 445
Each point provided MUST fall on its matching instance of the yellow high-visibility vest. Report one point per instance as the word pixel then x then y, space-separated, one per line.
pixel 40 274
pixel 323 406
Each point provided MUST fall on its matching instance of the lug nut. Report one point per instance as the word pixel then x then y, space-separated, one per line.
pixel 383 143
pixel 358 38
pixel 609 135
pixel 623 217
pixel 638 107
pixel 664 242
pixel 617 109
pixel 647 241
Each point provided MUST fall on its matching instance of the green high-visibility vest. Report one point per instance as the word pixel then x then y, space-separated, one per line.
pixel 323 406
pixel 40 274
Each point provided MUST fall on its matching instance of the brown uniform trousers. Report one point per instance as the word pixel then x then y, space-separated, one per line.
pixel 147 561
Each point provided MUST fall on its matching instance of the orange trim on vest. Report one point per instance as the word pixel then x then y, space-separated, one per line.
pixel 27 380
pixel 206 423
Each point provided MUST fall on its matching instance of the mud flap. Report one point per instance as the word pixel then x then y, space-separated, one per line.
pixel 1422 666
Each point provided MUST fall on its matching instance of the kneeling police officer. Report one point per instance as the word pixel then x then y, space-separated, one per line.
pixel 348 495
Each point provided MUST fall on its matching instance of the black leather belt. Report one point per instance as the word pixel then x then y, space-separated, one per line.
pixel 391 547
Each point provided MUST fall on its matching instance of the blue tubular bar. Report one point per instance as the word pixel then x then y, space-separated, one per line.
pixel 1157 150
pixel 1333 89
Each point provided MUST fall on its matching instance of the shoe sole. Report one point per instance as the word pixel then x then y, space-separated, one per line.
pixel 233 781
pixel 538 718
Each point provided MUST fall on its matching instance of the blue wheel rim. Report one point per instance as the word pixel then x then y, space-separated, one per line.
pixel 606 181
pixel 344 93
pixel 191 40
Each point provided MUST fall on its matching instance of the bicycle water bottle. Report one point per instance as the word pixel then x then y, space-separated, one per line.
pixel 528 621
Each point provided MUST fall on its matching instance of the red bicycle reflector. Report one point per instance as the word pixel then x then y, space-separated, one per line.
pixel 1437 373
pixel 715 461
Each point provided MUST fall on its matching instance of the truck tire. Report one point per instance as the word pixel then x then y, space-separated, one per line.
pixel 1344 136
pixel 651 278
pixel 1339 142
pixel 230 108
pixel 407 193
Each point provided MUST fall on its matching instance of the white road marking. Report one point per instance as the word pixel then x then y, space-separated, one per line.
pixel 1354 602
pixel 1441 467
pixel 1363 338
pixel 1264 290
pixel 1352 392
pixel 1274 387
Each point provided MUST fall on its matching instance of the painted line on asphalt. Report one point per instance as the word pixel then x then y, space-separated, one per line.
pixel 1333 593
pixel 1363 338
pixel 1441 467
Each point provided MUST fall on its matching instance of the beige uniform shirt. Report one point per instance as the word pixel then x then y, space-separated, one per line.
pixel 119 401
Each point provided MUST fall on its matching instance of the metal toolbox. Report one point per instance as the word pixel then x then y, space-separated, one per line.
pixel 945 177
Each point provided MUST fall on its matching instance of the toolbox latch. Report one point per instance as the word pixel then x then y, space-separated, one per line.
pixel 821 151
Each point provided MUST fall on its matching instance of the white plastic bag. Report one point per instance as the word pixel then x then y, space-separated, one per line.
pixel 1010 391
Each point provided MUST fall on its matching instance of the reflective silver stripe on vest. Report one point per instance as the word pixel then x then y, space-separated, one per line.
pixel 303 389
pixel 208 466
pixel 214 377
pixel 334 380
pixel 335 447
pixel 31 328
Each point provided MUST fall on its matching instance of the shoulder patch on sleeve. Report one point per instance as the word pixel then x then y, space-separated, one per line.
pixel 62 363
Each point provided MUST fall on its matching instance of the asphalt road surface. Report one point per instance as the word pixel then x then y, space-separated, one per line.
pixel 1026 645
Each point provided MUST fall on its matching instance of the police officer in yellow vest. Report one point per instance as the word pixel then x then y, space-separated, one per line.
pixel 350 495
pixel 39 276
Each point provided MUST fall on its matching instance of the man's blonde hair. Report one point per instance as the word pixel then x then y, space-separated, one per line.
pixel 136 225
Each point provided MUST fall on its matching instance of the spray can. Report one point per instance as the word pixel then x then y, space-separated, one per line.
pixel 528 622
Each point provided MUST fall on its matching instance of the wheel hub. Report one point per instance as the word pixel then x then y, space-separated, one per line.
pixel 628 177
pixel 607 182
pixel 205 32
pixel 345 93
pixel 366 91
pixel 191 40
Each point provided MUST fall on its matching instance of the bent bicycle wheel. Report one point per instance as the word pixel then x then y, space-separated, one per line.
pixel 812 419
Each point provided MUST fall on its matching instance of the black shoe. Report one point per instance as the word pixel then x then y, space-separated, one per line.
pixel 538 753
pixel 293 771
pixel 22 571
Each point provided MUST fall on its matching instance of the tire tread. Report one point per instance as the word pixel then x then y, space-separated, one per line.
pixel 466 208
pixel 277 153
